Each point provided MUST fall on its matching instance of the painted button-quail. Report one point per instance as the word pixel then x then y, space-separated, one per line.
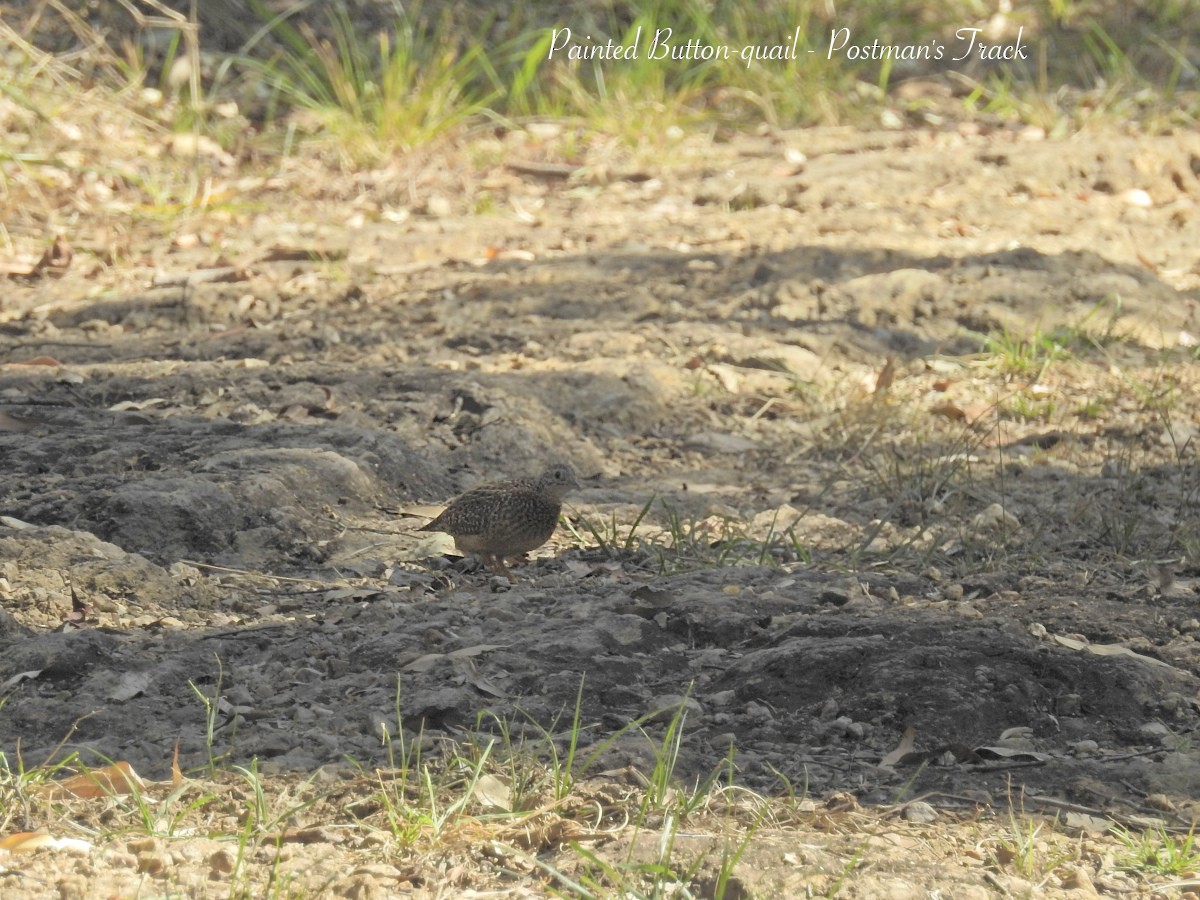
pixel 503 519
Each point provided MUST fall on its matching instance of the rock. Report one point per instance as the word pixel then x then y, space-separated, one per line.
pixel 996 518
pixel 1154 730
pixel 723 741
pixel 920 812
pixel 666 707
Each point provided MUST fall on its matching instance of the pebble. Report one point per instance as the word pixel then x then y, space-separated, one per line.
pixel 220 863
pixel 920 812
pixel 142 845
pixel 152 863
pixel 1076 878
pixel 721 699
pixel 996 517
pixel 666 707
pixel 722 742
pixel 758 713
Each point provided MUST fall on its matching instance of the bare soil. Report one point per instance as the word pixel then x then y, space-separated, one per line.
pixel 228 476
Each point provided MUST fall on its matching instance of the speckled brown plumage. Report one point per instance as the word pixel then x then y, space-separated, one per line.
pixel 506 518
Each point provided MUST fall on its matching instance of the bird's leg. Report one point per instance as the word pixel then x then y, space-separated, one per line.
pixel 512 579
pixel 496 564
pixel 500 568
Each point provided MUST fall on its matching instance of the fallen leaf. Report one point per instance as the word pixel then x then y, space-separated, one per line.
pixel 13 680
pixel 476 650
pixel 470 674
pixel 28 841
pixel 951 411
pixel 139 405
pixel 492 791
pixel 130 685
pixel 423 663
pixel 119 778
pixel 971 413
pixel 1108 650
pixel 907 742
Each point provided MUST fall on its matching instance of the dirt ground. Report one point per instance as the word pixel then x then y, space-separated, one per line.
pixel 228 476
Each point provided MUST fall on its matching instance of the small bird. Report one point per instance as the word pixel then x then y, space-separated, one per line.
pixel 503 519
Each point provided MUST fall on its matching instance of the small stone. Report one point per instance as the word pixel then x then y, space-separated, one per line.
pixel 1076 878
pixel 721 699
pixel 1160 802
pixel 73 887
pixel 845 727
pixel 757 712
pixel 1069 705
pixel 920 812
pixel 151 863
pixel 142 845
pixel 666 706
pixel 438 206
pixel 722 742
pixel 220 863
pixel 997 518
